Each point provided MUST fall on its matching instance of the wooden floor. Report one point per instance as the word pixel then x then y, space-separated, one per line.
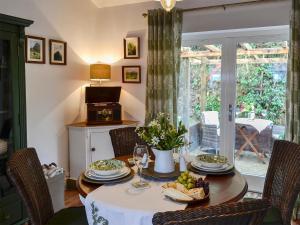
pixel 72 200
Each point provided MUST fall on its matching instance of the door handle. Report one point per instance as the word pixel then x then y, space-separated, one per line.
pixel 230 112
pixel 93 149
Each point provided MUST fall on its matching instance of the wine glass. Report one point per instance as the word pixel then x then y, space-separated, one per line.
pixel 140 157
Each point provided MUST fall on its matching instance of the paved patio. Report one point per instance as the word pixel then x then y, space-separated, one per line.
pixel 249 164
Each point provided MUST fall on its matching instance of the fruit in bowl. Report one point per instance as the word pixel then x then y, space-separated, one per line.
pixel 187 188
pixel 211 161
pixel 107 167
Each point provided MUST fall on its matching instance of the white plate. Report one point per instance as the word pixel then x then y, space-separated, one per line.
pixel 120 173
pixel 118 164
pixel 200 165
pixel 225 167
pixel 91 175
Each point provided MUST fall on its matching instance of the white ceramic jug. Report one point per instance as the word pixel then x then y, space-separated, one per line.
pixel 164 161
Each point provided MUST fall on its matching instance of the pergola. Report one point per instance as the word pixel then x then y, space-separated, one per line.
pixel 245 54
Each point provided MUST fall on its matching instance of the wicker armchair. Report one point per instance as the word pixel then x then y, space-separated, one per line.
pixel 124 140
pixel 282 184
pixel 240 213
pixel 25 171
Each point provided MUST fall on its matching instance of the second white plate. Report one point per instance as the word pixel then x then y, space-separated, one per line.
pixel 123 172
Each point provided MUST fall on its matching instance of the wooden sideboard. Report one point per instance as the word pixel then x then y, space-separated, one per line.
pixel 88 143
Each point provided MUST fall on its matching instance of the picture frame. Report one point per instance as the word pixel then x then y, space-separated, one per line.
pixel 35 49
pixel 131 74
pixel 57 52
pixel 132 48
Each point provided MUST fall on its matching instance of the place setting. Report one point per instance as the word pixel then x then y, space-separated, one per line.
pixel 210 164
pixel 109 171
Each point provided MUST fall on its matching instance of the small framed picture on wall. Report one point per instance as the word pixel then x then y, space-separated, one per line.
pixel 132 48
pixel 35 49
pixel 131 74
pixel 57 52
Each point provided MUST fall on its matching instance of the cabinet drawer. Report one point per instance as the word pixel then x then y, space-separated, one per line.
pixel 11 213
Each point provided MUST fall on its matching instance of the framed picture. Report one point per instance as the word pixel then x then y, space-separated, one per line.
pixel 132 48
pixel 58 52
pixel 131 74
pixel 34 49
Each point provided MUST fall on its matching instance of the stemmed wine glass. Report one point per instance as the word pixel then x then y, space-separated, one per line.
pixel 140 157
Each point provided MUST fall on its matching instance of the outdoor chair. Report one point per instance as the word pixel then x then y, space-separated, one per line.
pixel 239 213
pixel 25 172
pixel 210 131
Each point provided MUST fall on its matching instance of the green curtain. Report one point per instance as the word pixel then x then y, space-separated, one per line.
pixel 293 83
pixel 164 46
pixel 293 78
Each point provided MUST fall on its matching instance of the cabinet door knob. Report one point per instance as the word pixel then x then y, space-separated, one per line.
pixel 93 149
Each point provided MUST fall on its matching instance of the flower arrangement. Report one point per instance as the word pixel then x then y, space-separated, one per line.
pixel 161 134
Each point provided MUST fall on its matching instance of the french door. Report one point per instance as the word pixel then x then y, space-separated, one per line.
pixel 236 87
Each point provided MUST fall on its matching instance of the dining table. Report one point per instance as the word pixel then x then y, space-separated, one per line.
pixel 223 189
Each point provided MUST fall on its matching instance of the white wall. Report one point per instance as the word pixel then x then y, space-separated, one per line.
pixel 54 93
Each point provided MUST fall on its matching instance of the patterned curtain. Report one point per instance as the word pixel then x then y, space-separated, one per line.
pixel 293 80
pixel 293 84
pixel 164 46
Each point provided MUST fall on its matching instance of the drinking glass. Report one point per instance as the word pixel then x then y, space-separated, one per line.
pixel 140 157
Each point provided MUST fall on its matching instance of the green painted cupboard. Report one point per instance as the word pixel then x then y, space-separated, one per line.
pixel 12 111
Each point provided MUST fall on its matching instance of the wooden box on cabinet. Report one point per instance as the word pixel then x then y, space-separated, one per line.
pixel 89 143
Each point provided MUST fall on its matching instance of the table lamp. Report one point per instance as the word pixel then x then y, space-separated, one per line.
pixel 100 72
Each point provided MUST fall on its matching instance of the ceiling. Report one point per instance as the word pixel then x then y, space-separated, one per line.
pixel 183 4
pixel 110 3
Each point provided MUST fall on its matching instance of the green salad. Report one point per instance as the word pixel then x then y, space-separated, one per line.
pixel 212 158
pixel 105 165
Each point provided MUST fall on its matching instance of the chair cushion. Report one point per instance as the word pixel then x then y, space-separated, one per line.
pixel 69 216
pixel 273 217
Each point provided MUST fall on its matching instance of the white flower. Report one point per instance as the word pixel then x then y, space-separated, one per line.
pixel 155 141
pixel 153 123
pixel 162 136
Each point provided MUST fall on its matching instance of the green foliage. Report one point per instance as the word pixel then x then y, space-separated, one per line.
pixel 162 135
pixel 258 91
pixel 213 102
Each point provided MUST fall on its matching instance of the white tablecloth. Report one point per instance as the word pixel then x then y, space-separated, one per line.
pixel 258 124
pixel 117 205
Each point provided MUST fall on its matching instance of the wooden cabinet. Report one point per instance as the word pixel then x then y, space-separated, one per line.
pixel 90 143
pixel 12 111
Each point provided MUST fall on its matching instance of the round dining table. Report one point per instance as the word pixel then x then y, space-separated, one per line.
pixel 223 189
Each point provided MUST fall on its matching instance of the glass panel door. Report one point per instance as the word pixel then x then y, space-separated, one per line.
pixel 200 96
pixel 260 103
pixel 232 95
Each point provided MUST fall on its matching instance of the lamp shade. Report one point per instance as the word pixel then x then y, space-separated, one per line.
pixel 100 72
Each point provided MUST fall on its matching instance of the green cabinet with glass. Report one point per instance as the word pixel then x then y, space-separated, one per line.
pixel 12 111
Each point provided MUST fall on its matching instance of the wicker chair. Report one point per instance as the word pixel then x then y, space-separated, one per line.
pixel 25 171
pixel 282 184
pixel 240 213
pixel 124 140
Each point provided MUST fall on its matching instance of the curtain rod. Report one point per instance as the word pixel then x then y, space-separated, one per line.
pixel 225 6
